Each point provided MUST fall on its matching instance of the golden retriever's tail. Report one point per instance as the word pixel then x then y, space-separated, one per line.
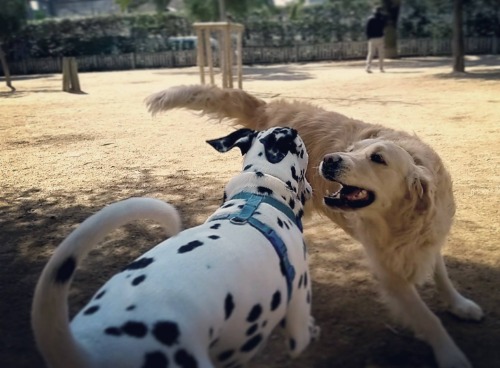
pixel 234 104
pixel 49 313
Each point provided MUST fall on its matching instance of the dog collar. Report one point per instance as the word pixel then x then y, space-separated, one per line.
pixel 245 216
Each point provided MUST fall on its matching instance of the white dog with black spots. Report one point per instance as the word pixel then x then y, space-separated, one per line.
pixel 206 297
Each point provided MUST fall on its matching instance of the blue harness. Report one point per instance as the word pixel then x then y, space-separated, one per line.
pixel 246 215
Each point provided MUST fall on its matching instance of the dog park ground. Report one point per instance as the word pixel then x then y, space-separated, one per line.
pixel 64 156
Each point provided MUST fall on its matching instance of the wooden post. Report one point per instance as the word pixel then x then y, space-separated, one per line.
pixel 71 83
pixel 208 49
pixel 200 54
pixel 239 61
pixel 225 50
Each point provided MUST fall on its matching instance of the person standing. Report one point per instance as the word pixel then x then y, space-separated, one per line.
pixel 375 35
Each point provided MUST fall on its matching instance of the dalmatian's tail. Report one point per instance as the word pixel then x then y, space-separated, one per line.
pixel 236 105
pixel 49 313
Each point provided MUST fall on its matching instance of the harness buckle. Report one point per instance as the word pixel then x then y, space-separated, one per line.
pixel 238 220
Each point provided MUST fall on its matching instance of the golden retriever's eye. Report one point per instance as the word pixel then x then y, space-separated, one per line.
pixel 375 157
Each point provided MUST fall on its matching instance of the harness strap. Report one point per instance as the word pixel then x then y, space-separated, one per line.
pixel 256 199
pixel 246 216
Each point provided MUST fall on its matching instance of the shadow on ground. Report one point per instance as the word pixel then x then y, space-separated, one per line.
pixel 356 330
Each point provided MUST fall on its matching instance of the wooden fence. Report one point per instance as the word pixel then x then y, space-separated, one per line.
pixel 253 55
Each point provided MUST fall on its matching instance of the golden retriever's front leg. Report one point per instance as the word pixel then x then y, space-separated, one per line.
pixel 458 305
pixel 406 304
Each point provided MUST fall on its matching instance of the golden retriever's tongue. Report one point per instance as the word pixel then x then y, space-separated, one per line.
pixel 354 193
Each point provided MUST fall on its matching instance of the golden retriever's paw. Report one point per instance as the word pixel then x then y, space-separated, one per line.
pixel 452 357
pixel 466 309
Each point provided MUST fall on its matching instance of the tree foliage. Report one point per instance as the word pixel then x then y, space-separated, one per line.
pixel 12 17
pixel 208 10
pixel 335 20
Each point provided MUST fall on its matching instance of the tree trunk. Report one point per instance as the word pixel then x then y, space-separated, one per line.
pixel 391 8
pixel 458 37
pixel 6 70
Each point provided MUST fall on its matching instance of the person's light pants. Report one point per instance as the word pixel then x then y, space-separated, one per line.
pixel 375 45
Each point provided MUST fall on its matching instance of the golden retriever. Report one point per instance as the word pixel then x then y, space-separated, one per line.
pixel 386 188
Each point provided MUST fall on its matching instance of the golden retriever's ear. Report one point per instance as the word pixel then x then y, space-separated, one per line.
pixel 421 188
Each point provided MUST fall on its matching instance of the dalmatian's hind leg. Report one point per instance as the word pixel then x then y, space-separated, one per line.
pixel 300 327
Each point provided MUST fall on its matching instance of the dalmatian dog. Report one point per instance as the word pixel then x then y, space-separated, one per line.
pixel 208 296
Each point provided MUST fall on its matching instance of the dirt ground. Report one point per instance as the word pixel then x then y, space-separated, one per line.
pixel 64 156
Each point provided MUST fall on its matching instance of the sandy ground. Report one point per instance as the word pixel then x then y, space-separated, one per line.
pixel 64 156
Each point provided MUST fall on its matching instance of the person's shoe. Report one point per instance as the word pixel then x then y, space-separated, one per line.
pixel 382 70
pixel 368 70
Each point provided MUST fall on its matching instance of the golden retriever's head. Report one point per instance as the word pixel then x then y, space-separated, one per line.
pixel 375 174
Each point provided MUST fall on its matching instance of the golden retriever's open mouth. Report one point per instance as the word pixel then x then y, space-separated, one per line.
pixel 350 198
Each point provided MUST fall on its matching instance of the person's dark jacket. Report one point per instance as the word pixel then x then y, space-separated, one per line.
pixel 375 26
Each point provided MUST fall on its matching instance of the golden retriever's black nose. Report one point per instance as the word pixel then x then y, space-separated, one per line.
pixel 331 165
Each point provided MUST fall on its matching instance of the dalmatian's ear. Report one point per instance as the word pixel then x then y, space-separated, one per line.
pixel 241 138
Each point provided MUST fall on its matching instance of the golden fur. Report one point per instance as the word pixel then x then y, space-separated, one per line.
pixel 402 237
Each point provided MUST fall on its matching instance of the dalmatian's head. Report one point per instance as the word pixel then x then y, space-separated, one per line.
pixel 277 152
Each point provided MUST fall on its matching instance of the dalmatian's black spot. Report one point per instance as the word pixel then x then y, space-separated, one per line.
pixel 308 298
pixel 139 264
pixel 276 301
pixel 225 355
pixel 264 324
pixel 138 280
pixel 286 225
pixel 302 198
pixel 300 214
pixel 240 206
pixel 155 359
pixel 214 237
pixel 258 213
pixel 65 270
pixel 254 313
pixel 304 248
pixel 224 197
pixel 259 174
pixel 247 167
pixel 305 279
pixel 264 190
pixel 215 226
pixel 189 246
pixel 166 332
pixel 300 281
pixel 252 329
pixel 279 144
pixel 251 344
pixel 113 331
pixel 185 359
pixel 293 344
pixel 301 155
pixel 291 203
pixel 91 310
pixel 289 185
pixel 280 223
pixel 130 307
pixel 134 329
pixel 283 323
pixel 294 174
pixel 100 295
pixel 228 305
pixel 227 205
pixel 260 154
pixel 213 343
pixel 210 332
